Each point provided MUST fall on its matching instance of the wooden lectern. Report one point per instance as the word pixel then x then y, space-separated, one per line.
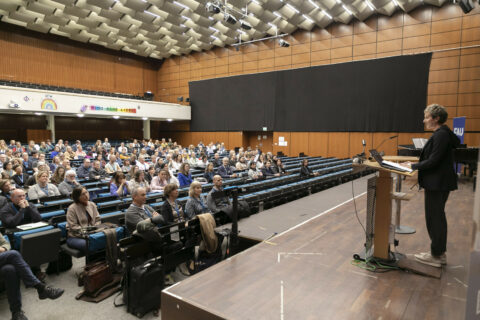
pixel 383 207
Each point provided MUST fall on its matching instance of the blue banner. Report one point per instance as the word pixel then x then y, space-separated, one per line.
pixel 459 127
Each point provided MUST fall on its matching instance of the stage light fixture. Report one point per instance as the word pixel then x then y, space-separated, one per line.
pixel 227 17
pixel 245 25
pixel 148 95
pixel 283 43
pixel 179 99
pixel 212 8
pixel 466 5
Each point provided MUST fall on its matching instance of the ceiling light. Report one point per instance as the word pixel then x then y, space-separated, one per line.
pixel 308 19
pixel 169 120
pixel 245 25
pixel 326 13
pixel 227 17
pixel 277 14
pixel 316 5
pixel 145 118
pixel 152 14
pixel 116 117
pixel 395 3
pixel 38 113
pixel 283 43
pixel 346 9
pixel 181 5
pixel 213 29
pixel 293 8
pixel 80 115
pixel 370 5
pixel 212 8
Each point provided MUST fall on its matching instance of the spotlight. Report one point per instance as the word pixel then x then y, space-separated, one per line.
pixel 179 99
pixel 466 5
pixel 13 105
pixel 212 8
pixel 227 17
pixel 245 25
pixel 116 117
pixel 283 43
pixel 187 99
pixel 148 95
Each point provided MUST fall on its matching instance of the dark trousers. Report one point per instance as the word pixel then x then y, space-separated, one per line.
pixel 12 269
pixel 436 220
pixel 77 243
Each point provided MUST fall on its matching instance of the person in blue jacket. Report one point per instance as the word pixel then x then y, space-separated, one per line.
pixel 184 176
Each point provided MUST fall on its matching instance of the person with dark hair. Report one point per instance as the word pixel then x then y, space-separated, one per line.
pixel 137 181
pixel 253 172
pixel 171 210
pixel 305 171
pixel 437 176
pixel 267 170
pixel 222 203
pixel 8 168
pixel 80 214
pixel 150 174
pixel 184 176
pixel 12 269
pixel 58 175
pixel 118 185
pixel 83 172
pixel 208 175
pixel 19 177
pixel 278 167
pixel 97 172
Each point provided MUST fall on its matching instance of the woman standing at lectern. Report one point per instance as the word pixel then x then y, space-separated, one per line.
pixel 437 176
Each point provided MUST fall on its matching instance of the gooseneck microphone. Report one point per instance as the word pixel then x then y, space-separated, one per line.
pixel 384 140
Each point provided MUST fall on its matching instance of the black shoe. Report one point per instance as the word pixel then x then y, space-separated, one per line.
pixel 50 293
pixel 19 315
pixel 41 275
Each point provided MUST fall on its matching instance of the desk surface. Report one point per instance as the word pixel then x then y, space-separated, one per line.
pixel 375 165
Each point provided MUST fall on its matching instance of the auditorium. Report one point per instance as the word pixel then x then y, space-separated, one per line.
pixel 239 159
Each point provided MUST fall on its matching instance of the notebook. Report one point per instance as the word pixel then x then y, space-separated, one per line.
pixel 30 226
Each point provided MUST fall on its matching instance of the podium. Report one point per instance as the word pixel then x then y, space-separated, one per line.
pixel 384 233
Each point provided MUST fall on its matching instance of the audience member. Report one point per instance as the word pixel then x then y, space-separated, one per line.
pixel 278 167
pixel 160 180
pixel 8 168
pixel 112 165
pixel 81 213
pixel 55 163
pixel 171 209
pixel 184 176
pixel 12 269
pixel 225 171
pixel 19 177
pixel 19 211
pixel 150 174
pixel 118 185
pixel 217 162
pixel 139 212
pixel 58 176
pixel 241 164
pixel 42 188
pixel 195 203
pixel 97 172
pixel 267 170
pixel 305 171
pixel 5 188
pixel 142 165
pixel 138 181
pixel 67 185
pixel 83 172
pixel 209 173
pixel 126 166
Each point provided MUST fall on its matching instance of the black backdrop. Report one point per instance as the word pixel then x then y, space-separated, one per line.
pixel 386 95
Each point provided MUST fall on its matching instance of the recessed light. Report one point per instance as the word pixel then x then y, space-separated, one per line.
pixel 145 118
pixel 80 115
pixel 38 113
pixel 116 117
pixel 169 120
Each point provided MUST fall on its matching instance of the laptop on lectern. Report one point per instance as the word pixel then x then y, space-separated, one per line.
pixel 388 164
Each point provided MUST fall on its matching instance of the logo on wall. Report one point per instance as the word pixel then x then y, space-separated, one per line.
pixel 26 98
pixel 85 108
pixel 48 103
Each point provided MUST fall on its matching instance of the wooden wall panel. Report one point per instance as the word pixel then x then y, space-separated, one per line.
pixel 285 149
pixel 382 142
pixel 42 59
pixel 38 135
pixel 299 143
pixel 14 126
pixel 318 144
pixel 356 146
pixel 338 144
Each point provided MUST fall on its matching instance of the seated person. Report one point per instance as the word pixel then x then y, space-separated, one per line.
pixel 5 188
pixel 66 187
pixel 241 164
pixel 142 165
pixel 150 174
pixel 126 166
pixel 42 188
pixel 19 211
pixel 139 212
pixel 195 203
pixel 208 175
pixel 267 170
pixel 253 172
pixel 118 185
pixel 225 171
pixel 97 172
pixel 305 171
pixel 138 181
pixel 83 172
pixel 184 176
pixel 112 166
pixel 12 269
pixel 217 162
pixel 278 167
pixel 8 168
pixel 223 204
pixel 160 181
pixel 80 214
pixel 19 177
pixel 58 175
pixel 171 210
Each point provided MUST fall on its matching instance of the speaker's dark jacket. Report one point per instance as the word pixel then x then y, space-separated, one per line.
pixel 435 167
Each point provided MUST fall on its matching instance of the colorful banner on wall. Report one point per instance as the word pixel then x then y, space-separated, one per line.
pixel 85 108
pixel 48 104
pixel 459 127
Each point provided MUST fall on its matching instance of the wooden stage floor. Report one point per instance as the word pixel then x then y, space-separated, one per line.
pixel 306 272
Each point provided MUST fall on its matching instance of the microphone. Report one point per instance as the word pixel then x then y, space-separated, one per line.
pixel 358 159
pixel 384 140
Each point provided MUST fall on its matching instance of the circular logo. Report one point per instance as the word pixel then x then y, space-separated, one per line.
pixel 26 98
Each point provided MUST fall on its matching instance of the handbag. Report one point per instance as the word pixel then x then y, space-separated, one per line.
pixel 95 276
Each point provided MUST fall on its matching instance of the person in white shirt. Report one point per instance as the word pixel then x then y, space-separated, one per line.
pixel 112 166
pixel 142 165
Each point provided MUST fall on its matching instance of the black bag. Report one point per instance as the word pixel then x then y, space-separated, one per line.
pixel 63 263
pixel 143 288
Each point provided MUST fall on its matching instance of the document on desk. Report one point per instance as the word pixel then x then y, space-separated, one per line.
pixel 395 166
pixel 30 226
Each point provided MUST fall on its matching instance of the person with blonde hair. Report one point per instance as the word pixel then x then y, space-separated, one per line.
pixel 196 204
pixel 42 188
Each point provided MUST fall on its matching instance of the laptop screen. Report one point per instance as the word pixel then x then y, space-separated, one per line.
pixel 376 156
